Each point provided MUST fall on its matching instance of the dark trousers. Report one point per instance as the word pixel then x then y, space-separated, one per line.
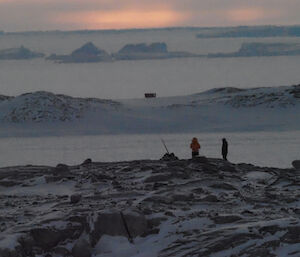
pixel 195 154
pixel 224 154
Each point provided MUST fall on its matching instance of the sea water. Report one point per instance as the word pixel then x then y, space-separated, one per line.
pixel 275 149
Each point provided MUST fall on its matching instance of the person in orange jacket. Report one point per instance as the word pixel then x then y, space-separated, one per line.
pixel 195 146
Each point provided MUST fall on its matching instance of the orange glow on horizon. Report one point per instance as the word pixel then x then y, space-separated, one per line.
pixel 123 19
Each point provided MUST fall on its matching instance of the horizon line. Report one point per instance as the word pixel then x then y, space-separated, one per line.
pixel 2 32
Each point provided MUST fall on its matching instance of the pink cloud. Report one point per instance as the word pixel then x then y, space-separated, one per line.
pixel 121 19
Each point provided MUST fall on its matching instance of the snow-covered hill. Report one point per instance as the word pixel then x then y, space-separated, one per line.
pixel 221 109
pixel 48 107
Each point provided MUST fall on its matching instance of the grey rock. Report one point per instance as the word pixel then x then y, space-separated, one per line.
pixel 61 168
pixel 46 238
pixel 226 219
pixel 87 161
pixel 61 251
pixel 292 236
pixel 221 200
pixel 111 223
pixel 296 164
pixel 9 183
pixel 210 198
pixel 82 248
pixel 225 186
pixel 9 253
pixel 182 197
pixel 75 198
pixel 158 178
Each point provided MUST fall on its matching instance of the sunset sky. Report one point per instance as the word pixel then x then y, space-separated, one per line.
pixel 22 15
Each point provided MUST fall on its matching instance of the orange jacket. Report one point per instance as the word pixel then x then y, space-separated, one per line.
pixel 195 146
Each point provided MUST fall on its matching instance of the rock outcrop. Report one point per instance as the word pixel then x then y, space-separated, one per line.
pixel 202 207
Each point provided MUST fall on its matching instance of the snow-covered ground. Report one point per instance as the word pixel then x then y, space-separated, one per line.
pixel 222 109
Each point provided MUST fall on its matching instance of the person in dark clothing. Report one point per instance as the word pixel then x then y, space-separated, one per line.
pixel 195 146
pixel 224 149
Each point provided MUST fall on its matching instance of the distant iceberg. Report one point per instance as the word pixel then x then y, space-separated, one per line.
pixel 87 53
pixel 20 53
pixel 142 51
pixel 262 49
pixel 251 32
pixel 90 53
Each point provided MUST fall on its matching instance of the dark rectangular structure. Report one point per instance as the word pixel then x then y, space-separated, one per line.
pixel 150 95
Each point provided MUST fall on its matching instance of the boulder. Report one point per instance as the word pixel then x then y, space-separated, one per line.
pixel 87 161
pixel 61 169
pixel 75 198
pixel 61 251
pixel 4 252
pixel 82 248
pixel 46 238
pixel 292 235
pixel 111 223
pixel 296 164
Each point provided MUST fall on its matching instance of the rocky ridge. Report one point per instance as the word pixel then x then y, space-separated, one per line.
pixel 200 207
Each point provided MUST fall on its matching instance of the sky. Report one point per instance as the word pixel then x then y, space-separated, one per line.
pixel 24 15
